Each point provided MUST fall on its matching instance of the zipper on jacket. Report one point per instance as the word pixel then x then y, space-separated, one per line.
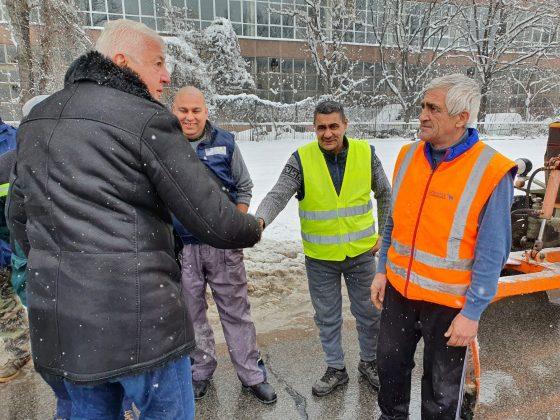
pixel 413 245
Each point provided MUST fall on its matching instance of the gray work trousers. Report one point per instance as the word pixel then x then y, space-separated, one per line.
pixel 324 279
pixel 224 271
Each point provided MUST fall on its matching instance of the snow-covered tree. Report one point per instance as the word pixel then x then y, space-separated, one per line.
pixel 20 13
pixel 61 40
pixel 500 35
pixel 220 50
pixel 327 29
pixel 209 59
pixel 413 38
pixel 185 65
pixel 533 81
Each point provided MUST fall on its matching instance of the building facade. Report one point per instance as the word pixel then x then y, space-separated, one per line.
pixel 272 40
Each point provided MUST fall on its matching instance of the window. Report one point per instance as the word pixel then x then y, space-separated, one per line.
pixel 261 18
pixel 147 7
pixel 262 13
pixel 275 32
pixel 248 11
pixel 221 8
pixel 192 9
pixel 114 6
pixel 98 6
pixel 131 7
pixel 235 11
pixel 206 10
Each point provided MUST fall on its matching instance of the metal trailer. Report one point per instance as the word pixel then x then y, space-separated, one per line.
pixel 534 264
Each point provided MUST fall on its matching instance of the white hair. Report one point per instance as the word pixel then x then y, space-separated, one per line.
pixel 463 94
pixel 125 36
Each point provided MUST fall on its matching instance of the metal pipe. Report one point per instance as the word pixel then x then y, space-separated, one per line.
pixel 541 231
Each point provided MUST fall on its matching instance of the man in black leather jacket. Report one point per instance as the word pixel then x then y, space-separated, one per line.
pixel 100 165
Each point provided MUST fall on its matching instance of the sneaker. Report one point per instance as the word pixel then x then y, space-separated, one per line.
pixel 369 371
pixel 200 388
pixel 330 380
pixel 12 368
pixel 264 392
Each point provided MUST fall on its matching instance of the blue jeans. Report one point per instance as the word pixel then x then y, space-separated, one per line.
pixel 64 403
pixel 165 393
pixel 324 279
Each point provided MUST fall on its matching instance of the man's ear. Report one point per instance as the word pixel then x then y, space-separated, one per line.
pixel 120 60
pixel 463 119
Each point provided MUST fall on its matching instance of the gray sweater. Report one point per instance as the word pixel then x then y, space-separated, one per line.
pixel 290 182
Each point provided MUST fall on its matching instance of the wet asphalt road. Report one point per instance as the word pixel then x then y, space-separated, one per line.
pixel 520 351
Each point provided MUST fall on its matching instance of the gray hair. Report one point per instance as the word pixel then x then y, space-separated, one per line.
pixel 463 94
pixel 125 36
pixel 328 107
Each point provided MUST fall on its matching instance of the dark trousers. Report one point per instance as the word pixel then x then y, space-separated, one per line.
pixel 403 323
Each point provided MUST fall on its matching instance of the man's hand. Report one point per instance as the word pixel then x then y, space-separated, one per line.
pixel 244 208
pixel 462 331
pixel 378 290
pixel 377 246
pixel 261 224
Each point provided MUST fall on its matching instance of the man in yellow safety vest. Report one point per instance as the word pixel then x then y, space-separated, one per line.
pixel 333 178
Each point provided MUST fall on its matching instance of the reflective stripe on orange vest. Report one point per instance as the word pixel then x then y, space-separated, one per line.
pixel 434 234
pixel 426 283
pixel 433 260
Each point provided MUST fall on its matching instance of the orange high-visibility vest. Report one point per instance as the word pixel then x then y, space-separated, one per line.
pixel 436 215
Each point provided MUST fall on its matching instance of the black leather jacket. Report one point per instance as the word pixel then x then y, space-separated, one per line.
pixel 100 165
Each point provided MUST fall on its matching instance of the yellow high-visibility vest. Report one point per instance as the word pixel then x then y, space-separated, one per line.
pixel 4 189
pixel 334 226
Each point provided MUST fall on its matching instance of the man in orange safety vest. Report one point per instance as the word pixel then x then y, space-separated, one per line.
pixel 445 242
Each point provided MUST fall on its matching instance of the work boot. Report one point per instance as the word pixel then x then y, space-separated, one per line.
pixel 200 388
pixel 263 392
pixel 330 380
pixel 369 371
pixel 12 368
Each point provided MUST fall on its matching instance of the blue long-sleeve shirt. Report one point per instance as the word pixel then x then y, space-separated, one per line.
pixel 492 246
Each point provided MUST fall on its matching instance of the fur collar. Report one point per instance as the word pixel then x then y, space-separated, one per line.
pixel 97 68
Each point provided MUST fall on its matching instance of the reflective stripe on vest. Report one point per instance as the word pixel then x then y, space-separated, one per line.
pixel 338 239
pixel 402 171
pixel 433 260
pixel 337 225
pixel 333 214
pixel 471 188
pixel 4 188
pixel 426 283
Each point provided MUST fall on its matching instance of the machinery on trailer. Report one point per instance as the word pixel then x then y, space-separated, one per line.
pixel 534 263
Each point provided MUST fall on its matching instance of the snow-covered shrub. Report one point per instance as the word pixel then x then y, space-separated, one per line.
pixel 226 67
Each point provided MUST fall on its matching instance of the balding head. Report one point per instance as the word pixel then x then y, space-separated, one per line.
pixel 189 106
pixel 190 93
